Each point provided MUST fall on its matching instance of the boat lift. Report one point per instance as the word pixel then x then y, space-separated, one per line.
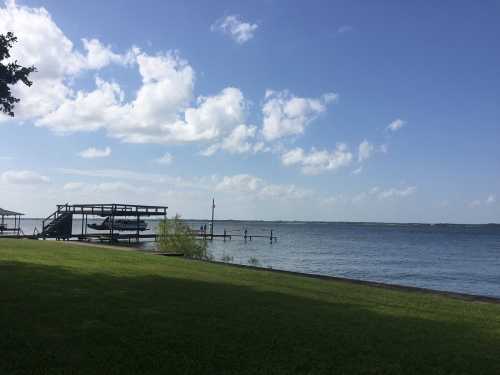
pixel 59 225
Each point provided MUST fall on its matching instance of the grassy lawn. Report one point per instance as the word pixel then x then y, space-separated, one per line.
pixel 73 309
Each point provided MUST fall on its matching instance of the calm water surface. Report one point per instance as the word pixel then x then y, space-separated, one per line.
pixel 459 258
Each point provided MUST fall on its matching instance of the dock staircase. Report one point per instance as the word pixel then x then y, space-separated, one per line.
pixel 59 225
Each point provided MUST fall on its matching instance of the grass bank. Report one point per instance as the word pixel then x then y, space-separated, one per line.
pixel 75 309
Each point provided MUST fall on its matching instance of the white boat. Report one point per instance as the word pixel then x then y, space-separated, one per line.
pixel 120 225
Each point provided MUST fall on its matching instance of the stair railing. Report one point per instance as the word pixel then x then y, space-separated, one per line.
pixel 49 218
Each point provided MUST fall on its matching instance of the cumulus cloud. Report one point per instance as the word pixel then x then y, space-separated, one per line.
pixel 256 187
pixel 318 161
pixel 160 113
pixel 394 192
pixel 166 159
pixel 162 110
pixel 105 187
pixel 365 150
pixel 98 55
pixel 396 125
pixel 491 199
pixel 237 142
pixel 42 43
pixel 23 178
pixel 285 114
pixel 92 153
pixel 233 26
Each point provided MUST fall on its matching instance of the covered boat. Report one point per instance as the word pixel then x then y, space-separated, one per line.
pixel 120 224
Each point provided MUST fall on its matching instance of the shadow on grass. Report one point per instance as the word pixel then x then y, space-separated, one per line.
pixel 54 321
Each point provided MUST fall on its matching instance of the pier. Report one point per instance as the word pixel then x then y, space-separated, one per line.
pixel 59 225
pixel 15 228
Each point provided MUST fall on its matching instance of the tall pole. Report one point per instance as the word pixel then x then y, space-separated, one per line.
pixel 212 226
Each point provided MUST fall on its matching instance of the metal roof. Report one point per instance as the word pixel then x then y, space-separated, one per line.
pixel 9 213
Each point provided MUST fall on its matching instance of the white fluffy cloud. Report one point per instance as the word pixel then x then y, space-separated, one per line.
pixel 98 55
pixel 237 142
pixel 285 114
pixel 318 161
pixel 365 150
pixel 42 43
pixel 92 153
pixel 233 26
pixel 256 187
pixel 396 125
pixel 160 112
pixel 23 178
pixel 87 111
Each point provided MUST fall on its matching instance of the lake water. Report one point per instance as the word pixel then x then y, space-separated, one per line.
pixel 458 258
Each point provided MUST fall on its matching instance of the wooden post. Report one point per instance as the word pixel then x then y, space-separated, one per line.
pixel 271 238
pixel 112 228
pixel 212 225
pixel 137 231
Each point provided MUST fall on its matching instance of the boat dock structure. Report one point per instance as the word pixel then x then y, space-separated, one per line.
pixel 119 217
pixel 108 223
pixel 6 217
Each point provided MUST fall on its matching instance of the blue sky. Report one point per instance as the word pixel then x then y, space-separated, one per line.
pixel 323 110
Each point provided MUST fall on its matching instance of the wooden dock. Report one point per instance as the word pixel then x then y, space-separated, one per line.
pixel 59 225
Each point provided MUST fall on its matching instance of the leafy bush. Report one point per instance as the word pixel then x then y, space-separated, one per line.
pixel 175 236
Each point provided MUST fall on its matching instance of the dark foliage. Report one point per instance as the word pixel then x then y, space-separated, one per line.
pixel 10 74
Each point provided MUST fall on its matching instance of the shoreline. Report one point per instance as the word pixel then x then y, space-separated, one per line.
pixel 376 284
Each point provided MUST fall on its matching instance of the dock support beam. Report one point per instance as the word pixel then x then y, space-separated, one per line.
pixel 212 224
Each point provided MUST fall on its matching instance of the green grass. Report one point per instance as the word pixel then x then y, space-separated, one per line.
pixel 67 309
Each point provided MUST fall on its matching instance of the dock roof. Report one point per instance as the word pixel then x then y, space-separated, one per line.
pixel 9 213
